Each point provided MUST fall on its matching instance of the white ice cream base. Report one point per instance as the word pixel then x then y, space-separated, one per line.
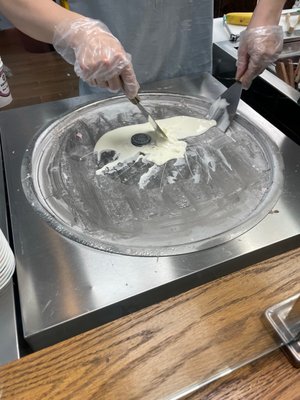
pixel 159 150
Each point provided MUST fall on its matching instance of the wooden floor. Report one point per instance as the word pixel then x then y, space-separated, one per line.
pixel 36 77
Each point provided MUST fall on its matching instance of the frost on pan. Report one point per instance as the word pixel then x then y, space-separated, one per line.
pixel 222 185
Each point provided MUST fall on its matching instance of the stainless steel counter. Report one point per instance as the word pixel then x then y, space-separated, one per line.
pixel 67 288
pixel 9 349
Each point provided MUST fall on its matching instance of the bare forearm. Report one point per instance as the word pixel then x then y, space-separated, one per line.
pixel 267 13
pixel 36 18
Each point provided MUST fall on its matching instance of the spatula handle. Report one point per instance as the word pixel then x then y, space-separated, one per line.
pixel 135 100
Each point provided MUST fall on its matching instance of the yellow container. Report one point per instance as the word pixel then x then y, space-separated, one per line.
pixel 238 18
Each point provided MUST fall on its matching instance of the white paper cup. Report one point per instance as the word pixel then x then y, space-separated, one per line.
pixel 7 261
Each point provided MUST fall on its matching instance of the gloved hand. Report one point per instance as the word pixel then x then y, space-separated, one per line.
pixel 258 48
pixel 98 57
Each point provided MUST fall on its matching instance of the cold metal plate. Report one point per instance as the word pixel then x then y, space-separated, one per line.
pixel 225 185
pixel 284 319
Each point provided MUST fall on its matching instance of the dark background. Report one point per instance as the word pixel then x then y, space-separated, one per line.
pixel 222 7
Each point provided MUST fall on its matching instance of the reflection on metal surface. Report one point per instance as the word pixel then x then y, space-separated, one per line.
pixel 284 318
pixel 225 185
pixel 293 317
pixel 9 347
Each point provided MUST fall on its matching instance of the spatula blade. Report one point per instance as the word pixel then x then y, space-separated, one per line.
pixel 224 108
pixel 155 126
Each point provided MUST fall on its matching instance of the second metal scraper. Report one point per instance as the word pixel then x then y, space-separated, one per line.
pixel 224 108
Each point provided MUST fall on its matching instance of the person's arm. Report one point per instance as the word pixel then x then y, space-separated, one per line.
pixel 98 56
pixel 267 13
pixel 36 18
pixel 261 43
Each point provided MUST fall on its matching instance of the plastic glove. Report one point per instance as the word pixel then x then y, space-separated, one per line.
pixel 98 57
pixel 258 48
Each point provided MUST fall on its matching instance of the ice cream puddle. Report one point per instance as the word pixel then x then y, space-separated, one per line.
pixel 159 150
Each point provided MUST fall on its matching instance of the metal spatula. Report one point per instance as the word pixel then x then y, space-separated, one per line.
pixel 156 127
pixel 224 108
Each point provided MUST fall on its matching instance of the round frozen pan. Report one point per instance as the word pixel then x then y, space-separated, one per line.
pixel 223 187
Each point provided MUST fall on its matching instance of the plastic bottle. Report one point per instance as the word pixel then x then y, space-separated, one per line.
pixel 5 95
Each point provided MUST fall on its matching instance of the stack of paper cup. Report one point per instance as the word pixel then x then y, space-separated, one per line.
pixel 5 95
pixel 7 261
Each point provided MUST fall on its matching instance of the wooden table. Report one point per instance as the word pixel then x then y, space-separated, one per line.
pixel 155 352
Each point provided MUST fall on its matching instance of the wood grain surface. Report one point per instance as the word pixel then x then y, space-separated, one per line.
pixel 36 77
pixel 270 378
pixel 158 351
